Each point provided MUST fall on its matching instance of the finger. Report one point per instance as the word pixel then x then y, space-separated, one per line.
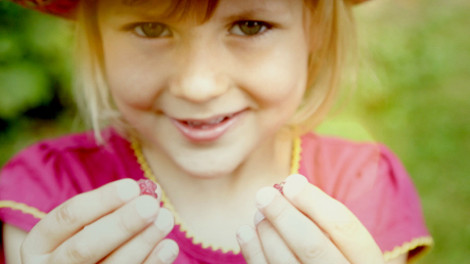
pixel 166 252
pixel 102 237
pixel 71 216
pixel 335 219
pixel 250 245
pixel 139 247
pixel 276 250
pixel 300 233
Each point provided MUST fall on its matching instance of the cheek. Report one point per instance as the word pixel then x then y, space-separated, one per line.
pixel 133 79
pixel 280 78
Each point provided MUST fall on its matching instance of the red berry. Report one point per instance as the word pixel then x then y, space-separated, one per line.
pixel 279 187
pixel 147 187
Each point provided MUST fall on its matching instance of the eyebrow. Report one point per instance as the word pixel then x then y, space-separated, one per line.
pixel 258 12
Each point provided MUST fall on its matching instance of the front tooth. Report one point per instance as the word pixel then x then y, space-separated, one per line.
pixel 216 121
pixel 195 123
pixel 211 122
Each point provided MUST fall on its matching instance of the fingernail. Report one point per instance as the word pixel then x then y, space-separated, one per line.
pixel 265 196
pixel 245 233
pixel 165 220
pixel 294 185
pixel 258 217
pixel 167 252
pixel 146 206
pixel 158 191
pixel 127 189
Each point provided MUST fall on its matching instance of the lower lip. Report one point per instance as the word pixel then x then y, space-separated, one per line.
pixel 208 133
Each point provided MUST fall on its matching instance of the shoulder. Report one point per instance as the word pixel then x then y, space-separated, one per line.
pixel 348 170
pixel 68 149
pixel 334 151
pixel 334 147
pixel 345 159
pixel 76 158
pixel 72 143
pixel 337 165
pixel 51 171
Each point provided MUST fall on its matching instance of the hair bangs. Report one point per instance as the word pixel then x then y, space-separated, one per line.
pixel 200 10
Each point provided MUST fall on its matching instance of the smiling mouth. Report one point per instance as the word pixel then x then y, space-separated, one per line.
pixel 209 129
pixel 208 123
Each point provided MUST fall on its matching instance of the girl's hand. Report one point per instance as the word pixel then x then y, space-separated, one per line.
pixel 112 224
pixel 306 226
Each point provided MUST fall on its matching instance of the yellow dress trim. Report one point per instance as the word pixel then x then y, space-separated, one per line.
pixel 406 247
pixel 23 208
pixel 296 151
pixel 141 160
pixel 295 159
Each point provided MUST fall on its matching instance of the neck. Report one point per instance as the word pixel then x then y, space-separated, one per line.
pixel 214 207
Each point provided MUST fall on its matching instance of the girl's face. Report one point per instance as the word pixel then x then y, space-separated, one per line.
pixel 206 94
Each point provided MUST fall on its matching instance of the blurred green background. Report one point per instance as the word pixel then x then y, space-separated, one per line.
pixel 413 94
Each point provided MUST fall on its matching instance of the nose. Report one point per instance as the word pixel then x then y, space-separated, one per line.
pixel 199 76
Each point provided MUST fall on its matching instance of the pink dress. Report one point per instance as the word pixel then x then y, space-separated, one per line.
pixel 366 177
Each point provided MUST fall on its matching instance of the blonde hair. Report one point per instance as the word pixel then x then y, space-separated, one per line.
pixel 332 37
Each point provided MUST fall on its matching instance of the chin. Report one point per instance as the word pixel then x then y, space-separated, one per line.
pixel 208 174
pixel 207 168
pixel 209 171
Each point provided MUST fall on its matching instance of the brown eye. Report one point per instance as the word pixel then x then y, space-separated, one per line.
pixel 152 30
pixel 248 28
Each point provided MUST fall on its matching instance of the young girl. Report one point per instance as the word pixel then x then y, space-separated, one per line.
pixel 212 100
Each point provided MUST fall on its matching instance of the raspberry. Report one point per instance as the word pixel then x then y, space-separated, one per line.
pixel 147 187
pixel 279 187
